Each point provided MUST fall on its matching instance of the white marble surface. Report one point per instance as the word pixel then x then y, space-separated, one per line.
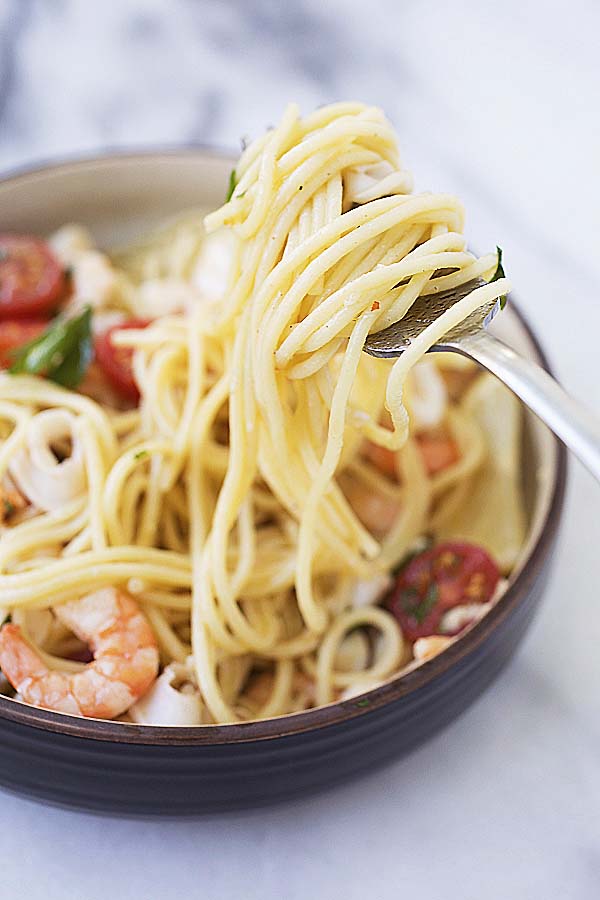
pixel 495 101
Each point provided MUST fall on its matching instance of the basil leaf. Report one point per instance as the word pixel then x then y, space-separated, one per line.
pixel 499 273
pixel 62 353
pixel 79 354
pixel 232 185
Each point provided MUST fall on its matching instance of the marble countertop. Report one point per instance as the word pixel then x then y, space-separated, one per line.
pixel 498 103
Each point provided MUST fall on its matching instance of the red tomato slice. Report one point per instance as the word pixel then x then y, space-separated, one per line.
pixel 116 362
pixel 32 280
pixel 437 580
pixel 16 332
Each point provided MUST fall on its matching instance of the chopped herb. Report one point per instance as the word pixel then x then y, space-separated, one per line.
pixel 499 273
pixel 9 508
pixel 301 187
pixel 409 598
pixel 363 702
pixel 61 353
pixel 232 185
pixel 141 454
pixel 423 609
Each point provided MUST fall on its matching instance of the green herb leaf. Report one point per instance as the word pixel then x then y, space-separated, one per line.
pixel 9 508
pixel 409 599
pixel 232 185
pixel 499 273
pixel 363 702
pixel 62 353
pixel 141 454
pixel 423 609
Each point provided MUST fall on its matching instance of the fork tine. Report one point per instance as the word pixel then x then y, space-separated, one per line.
pixel 395 339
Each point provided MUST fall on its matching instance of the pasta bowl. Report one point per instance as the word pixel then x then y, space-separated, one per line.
pixel 134 769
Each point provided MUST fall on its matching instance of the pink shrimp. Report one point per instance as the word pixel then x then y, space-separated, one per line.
pixel 125 660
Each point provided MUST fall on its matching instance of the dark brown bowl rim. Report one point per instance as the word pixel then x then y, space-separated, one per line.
pixel 333 713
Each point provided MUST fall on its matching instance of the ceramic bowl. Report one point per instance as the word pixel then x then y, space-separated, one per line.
pixel 152 770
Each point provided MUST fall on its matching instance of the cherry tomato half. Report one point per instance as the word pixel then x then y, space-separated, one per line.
pixel 116 362
pixel 14 333
pixel 438 579
pixel 32 280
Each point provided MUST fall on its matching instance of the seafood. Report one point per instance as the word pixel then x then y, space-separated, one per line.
pixel 173 699
pixel 125 660
pixel 50 468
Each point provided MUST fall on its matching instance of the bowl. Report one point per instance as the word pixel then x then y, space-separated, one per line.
pixel 154 770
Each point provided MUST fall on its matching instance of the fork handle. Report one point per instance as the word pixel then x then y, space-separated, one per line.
pixel 576 426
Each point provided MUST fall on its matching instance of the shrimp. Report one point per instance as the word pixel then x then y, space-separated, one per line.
pixel 438 449
pixel 125 660
pixel 376 511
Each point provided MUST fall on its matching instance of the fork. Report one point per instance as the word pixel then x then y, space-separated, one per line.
pixel 575 425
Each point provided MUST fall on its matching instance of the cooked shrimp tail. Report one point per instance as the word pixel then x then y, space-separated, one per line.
pixel 125 660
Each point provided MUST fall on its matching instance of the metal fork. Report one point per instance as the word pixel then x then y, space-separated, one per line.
pixel 575 425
